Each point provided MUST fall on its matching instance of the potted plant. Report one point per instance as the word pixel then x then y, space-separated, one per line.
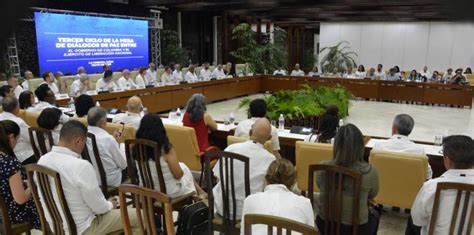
pixel 338 58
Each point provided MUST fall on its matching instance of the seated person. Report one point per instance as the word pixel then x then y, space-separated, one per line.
pixel 191 76
pixel 435 77
pixel 151 76
pixel 13 82
pixel 229 69
pixel 414 76
pixel 425 74
pixel 140 79
pixel 280 71
pixel 371 74
pixel 113 159
pixel 27 100
pixel 28 75
pixel 80 86
pixel 399 142
pixel 177 176
pixel 205 73
pixel 360 73
pixel 91 212
pixel 177 74
pixel 328 127
pixel 314 72
pixel 133 114
pixel 23 151
pixel 218 72
pixel 106 83
pixel 125 82
pixel 448 75
pixel 277 199
pixel 197 118
pixel 458 158
pixel 167 77
pixel 393 76
pixel 49 119
pixel 83 104
pixel 380 73
pixel 348 151
pixel 46 99
pixel 259 160
pixel 257 110
pixel 297 71
pixel 458 78
pixel 349 73
pixel 17 195
pixel 49 80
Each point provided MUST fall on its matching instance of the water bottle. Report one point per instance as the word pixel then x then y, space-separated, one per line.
pixel 97 104
pixel 341 122
pixel 231 118
pixel 281 122
pixel 178 114
pixel 71 104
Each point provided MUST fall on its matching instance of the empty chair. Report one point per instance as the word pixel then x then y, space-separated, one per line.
pixel 143 201
pixel 280 224
pixel 185 144
pixel 307 154
pixel 41 141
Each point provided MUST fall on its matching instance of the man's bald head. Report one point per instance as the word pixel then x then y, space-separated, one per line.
pixel 134 104
pixel 261 131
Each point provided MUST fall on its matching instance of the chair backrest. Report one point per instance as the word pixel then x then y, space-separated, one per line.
pixel 159 73
pixel 143 200
pixel 198 71
pixel 92 155
pixel 41 141
pixel 34 83
pixel 116 76
pixel 279 223
pixel 31 117
pixel 334 182
pixel 211 68
pixel 239 68
pixel 309 154
pixel 467 205
pixel 398 189
pixel 226 161
pixel 67 82
pixel 133 74
pixel 137 152
pixel 184 71
pixel 51 199
pixel 470 79
pixel 185 144
pixel 234 140
pixel 93 78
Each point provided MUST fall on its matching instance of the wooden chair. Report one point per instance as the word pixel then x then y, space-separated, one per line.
pixel 6 227
pixel 334 180
pixel 144 200
pixel 135 150
pixel 41 141
pixel 226 161
pixel 96 161
pixel 50 202
pixel 464 223
pixel 277 222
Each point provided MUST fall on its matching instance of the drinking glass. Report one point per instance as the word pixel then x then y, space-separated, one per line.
pixel 438 140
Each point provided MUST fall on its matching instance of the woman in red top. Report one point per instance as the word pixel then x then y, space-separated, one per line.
pixel 197 118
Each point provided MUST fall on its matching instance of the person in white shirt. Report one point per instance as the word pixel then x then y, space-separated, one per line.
pixel 425 74
pixel 205 73
pixel 314 72
pixel 218 72
pixel 380 73
pixel 151 74
pixel 79 86
pixel 297 71
pixel 458 154
pixel 46 99
pixel 80 71
pixel 177 74
pixel 13 82
pixel 167 77
pixel 49 119
pixel 361 73
pixel 27 75
pixel 133 115
pixel 49 79
pixel 399 142
pixel 113 158
pixel 191 75
pixel 23 150
pixel 257 110
pixel 140 78
pixel 125 82
pixel 106 83
pixel 91 212
pixel 277 199
pixel 280 71
pixel 259 160
pixel 349 74
pixel 448 75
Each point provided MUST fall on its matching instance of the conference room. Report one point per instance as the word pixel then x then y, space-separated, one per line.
pixel 236 117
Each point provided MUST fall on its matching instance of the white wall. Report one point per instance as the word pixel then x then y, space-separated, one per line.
pixel 438 45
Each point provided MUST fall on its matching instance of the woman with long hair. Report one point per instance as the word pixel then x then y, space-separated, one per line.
pixel 197 118
pixel 327 128
pixel 17 196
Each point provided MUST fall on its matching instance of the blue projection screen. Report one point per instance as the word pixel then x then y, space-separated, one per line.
pixel 66 42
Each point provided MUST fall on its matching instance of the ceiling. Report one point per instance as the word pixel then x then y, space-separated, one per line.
pixel 307 12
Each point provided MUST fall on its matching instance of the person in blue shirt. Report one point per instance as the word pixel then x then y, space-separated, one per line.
pixel 414 76
pixel 393 76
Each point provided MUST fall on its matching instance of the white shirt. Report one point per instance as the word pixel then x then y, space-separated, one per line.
pixel 18 90
pixel 140 81
pixel 311 73
pixel 423 204
pixel 448 76
pixel 23 148
pixel 402 144
pixel 380 75
pixel 350 75
pixel 150 77
pixel 113 159
pixel 219 74
pixel 277 200
pixel 205 74
pixel 177 76
pixel 103 85
pixel 167 78
pixel 126 84
pixel 54 88
pixel 80 186
pixel 75 89
pixel 298 72
pixel 242 130
pixel 259 160
pixel 41 105
pixel 128 118
pixel 360 74
pixel 426 74
pixel 280 72
pixel 25 85
pixel 190 77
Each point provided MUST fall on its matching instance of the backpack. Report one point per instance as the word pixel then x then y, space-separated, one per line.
pixel 193 219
